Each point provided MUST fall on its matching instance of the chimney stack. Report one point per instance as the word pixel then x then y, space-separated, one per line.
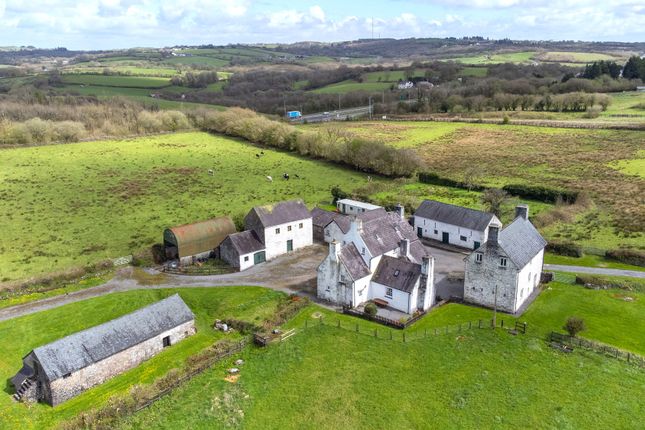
pixel 493 234
pixel 425 265
pixel 399 209
pixel 356 223
pixel 404 248
pixel 523 211
pixel 334 250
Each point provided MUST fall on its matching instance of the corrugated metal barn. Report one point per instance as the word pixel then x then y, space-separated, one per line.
pixel 198 240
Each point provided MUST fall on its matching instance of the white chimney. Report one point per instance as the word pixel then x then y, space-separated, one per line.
pixel 334 250
pixel 404 248
pixel 356 224
pixel 399 209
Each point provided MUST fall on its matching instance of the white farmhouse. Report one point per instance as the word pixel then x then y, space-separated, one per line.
pixel 506 270
pixel 271 231
pixel 454 225
pixel 377 258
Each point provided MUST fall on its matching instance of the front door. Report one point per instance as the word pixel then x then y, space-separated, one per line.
pixel 289 245
pixel 259 257
pixel 477 245
pixel 445 237
pixel 419 231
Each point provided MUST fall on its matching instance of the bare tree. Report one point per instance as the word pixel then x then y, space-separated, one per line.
pixel 494 198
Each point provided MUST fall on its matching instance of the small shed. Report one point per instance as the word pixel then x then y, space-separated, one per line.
pixel 191 241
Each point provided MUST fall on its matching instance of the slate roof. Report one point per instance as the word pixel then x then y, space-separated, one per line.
pixel 344 221
pixel 386 234
pixel 321 217
pixel 353 262
pixel 81 349
pixel 397 273
pixel 454 215
pixel 417 251
pixel 521 241
pixel 282 213
pixel 245 242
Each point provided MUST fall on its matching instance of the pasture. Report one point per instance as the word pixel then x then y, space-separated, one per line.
pixel 329 377
pixel 523 57
pixel 70 205
pixel 349 86
pixel 25 333
pixel 117 81
pixel 578 57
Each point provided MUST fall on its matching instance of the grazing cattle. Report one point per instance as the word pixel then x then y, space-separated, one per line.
pixel 297 176
pixel 262 152
pixel 369 179
pixel 285 176
pixel 269 178
pixel 257 155
pixel 211 172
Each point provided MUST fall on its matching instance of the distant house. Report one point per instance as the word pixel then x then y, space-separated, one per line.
pixel 354 207
pixel 506 270
pixel 405 85
pixel 271 231
pixel 60 370
pixel 377 257
pixel 455 225
pixel 190 242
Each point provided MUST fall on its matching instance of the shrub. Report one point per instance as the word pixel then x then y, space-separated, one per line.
pixel 628 256
pixel 565 248
pixel 338 194
pixel 69 131
pixel 541 193
pixel 574 325
pixel 371 310
pixel 39 129
pixel 604 283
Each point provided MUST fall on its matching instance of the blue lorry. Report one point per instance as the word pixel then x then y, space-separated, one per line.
pixel 294 114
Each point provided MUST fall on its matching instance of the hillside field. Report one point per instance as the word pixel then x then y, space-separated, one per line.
pixel 74 204
pixel 117 81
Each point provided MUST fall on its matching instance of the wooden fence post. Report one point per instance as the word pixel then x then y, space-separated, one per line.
pixel 338 323
pixel 435 331
pixel 403 337
pixel 356 327
pixel 480 323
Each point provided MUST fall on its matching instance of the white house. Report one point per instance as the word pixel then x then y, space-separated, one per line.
pixel 379 259
pixel 506 270
pixel 455 225
pixel 354 207
pixel 405 85
pixel 271 231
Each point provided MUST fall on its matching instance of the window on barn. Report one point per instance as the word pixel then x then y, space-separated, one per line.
pixel 463 238
pixel 388 292
pixel 277 231
pixel 246 258
pixel 327 233
pixel 436 232
pixel 397 272
pixel 288 228
pixel 166 341
pixel 300 225
pixel 502 262
pixel 479 257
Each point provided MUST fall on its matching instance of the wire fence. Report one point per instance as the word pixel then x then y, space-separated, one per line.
pixel 567 343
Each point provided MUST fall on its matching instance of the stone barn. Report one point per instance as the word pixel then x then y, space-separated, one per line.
pixel 242 250
pixel 199 240
pixel 63 369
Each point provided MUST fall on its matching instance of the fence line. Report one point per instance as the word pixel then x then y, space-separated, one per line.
pixel 560 340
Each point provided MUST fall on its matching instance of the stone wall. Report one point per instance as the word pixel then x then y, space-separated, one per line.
pixel 481 278
pixel 65 388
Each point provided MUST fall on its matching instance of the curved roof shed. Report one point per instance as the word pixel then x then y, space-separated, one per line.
pixel 204 236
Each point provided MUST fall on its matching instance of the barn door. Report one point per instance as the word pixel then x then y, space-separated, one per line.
pixel 445 237
pixel 259 257
pixel 289 245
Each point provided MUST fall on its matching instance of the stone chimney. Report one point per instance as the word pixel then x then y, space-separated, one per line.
pixel 404 248
pixel 493 234
pixel 523 211
pixel 399 209
pixel 426 266
pixel 356 224
pixel 334 250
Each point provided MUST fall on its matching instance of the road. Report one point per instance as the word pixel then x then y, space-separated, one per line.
pixel 595 270
pixel 335 115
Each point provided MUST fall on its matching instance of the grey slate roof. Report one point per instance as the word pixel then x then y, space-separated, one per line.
pixel 454 215
pixel 385 234
pixel 417 251
pixel 81 349
pixel 321 217
pixel 245 242
pixel 521 241
pixel 352 260
pixel 344 221
pixel 397 273
pixel 282 213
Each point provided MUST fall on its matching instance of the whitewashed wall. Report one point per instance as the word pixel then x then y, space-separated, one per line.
pixel 430 226
pixel 276 243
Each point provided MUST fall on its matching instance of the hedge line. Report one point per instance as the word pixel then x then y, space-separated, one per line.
pixel 605 283
pixel 565 248
pixel 628 256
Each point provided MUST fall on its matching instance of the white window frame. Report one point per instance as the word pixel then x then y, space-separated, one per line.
pixel 389 292
pixel 479 257
pixel 503 262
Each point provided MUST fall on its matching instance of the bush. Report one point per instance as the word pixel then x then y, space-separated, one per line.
pixel 628 256
pixel 567 249
pixel 371 310
pixel 541 193
pixel 574 325
pixel 338 194
pixel 605 283
pixel 69 131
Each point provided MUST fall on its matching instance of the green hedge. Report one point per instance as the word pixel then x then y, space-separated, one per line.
pixel 628 256
pixel 565 248
pixel 541 193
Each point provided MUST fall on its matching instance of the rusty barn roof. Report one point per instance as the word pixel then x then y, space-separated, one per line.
pixel 203 236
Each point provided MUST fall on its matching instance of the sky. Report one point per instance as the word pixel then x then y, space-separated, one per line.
pixel 111 24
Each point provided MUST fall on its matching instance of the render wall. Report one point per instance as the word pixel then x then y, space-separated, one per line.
pixel 529 278
pixel 481 278
pixel 190 259
pixel 400 300
pixel 430 226
pixel 64 389
pixel 333 232
pixel 276 243
pixel 329 286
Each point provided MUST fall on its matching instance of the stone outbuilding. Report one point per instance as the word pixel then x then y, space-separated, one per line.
pixel 454 225
pixel 190 242
pixel 242 250
pixel 505 271
pixel 60 370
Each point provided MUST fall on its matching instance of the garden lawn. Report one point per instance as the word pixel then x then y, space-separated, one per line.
pixel 21 335
pixel 325 377
pixel 71 205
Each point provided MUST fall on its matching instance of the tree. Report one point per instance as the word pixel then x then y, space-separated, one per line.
pixel 574 325
pixel 493 198
pixel 371 310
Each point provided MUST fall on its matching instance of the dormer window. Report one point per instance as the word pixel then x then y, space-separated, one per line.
pixel 502 262
pixel 479 257
pixel 397 272
pixel 363 251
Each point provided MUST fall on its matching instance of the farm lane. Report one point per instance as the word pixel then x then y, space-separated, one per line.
pixel 595 270
pixel 293 273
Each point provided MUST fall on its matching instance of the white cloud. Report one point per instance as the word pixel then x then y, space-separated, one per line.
pixel 316 12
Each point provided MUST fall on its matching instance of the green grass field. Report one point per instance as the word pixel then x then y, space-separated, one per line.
pixel 576 57
pixel 70 205
pixel 497 58
pixel 329 377
pixel 589 261
pixel 349 86
pixel 21 335
pixel 477 72
pixel 126 69
pixel 117 81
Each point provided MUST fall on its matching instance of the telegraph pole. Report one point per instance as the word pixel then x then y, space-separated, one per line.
pixel 338 101
pixel 370 107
